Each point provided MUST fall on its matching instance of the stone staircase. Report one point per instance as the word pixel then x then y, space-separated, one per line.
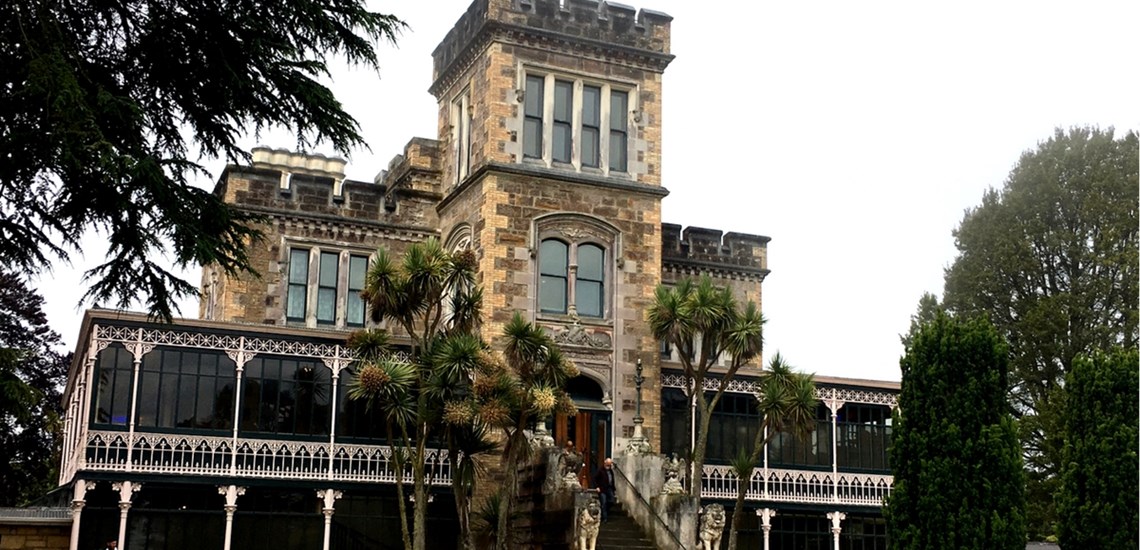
pixel 621 532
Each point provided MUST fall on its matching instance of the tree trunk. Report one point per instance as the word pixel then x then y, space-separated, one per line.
pixel 420 510
pixel 402 508
pixel 738 510
pixel 742 486
pixel 462 502
pixel 401 505
pixel 511 489
pixel 698 460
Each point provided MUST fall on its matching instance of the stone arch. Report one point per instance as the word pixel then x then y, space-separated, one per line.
pixel 461 237
pixel 599 379
pixel 576 227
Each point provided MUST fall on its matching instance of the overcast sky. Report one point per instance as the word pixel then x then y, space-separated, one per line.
pixel 854 134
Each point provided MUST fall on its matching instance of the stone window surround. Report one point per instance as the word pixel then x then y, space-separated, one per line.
pixel 462 115
pixel 315 247
pixel 460 238
pixel 577 229
pixel 550 74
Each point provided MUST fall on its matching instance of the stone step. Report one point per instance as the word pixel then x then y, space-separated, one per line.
pixel 621 532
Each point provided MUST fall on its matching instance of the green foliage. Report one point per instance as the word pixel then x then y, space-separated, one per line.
pixel 1097 503
pixel 1052 259
pixel 537 377
pixel 957 465
pixel 106 108
pixel 434 394
pixel 787 404
pixel 32 374
pixel 703 321
pixel 927 310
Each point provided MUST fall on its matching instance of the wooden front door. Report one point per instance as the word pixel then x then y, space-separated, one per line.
pixel 590 432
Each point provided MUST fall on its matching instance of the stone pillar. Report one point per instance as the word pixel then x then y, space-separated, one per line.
pixel 328 498
pixel 766 515
pixel 231 492
pixel 78 500
pixel 835 518
pixel 127 490
pixel 638 444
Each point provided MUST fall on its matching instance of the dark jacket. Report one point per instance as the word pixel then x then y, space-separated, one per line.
pixel 602 481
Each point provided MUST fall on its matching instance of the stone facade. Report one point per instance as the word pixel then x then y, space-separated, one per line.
pixel 477 186
pixel 37 537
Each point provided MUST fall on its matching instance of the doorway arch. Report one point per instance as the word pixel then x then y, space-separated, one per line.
pixel 590 430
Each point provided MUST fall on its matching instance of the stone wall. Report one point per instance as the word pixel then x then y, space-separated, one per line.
pixel 735 260
pixel 312 209
pixel 672 520
pixel 513 206
pixel 545 510
pixel 35 537
pixel 490 47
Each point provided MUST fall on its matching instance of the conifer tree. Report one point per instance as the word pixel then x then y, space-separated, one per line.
pixel 957 463
pixel 1097 504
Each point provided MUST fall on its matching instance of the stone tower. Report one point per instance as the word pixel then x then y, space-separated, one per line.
pixel 550 133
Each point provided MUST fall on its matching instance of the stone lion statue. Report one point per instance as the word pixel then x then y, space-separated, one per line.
pixel 589 520
pixel 712 526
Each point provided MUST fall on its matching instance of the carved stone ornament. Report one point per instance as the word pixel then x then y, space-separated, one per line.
pixel 638 445
pixel 672 468
pixel 540 438
pixel 571 464
pixel 712 527
pixel 576 335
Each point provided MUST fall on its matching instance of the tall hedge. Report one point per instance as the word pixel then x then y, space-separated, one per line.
pixel 1097 505
pixel 957 462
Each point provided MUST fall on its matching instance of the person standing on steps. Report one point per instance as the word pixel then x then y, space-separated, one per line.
pixel 604 485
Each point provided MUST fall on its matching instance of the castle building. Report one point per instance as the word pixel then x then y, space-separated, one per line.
pixel 217 432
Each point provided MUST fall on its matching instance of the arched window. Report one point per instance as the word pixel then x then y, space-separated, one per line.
pixel 576 256
pixel 554 262
pixel 572 274
pixel 589 285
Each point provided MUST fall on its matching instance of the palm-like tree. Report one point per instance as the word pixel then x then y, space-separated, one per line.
pixel 704 322
pixel 787 404
pixel 537 372
pixel 412 294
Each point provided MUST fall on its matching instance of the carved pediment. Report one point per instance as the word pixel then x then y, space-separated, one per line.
pixel 577 335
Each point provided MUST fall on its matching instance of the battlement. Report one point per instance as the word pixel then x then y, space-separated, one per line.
pixel 298 163
pixel 713 248
pixel 284 182
pixel 417 169
pixel 606 24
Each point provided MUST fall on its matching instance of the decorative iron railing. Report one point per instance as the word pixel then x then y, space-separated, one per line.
pixel 823 393
pixel 152 453
pixel 800 486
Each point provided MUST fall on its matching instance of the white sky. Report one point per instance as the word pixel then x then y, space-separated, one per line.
pixel 854 134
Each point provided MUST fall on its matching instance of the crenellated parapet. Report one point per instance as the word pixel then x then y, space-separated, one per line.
pixel 415 172
pixel 283 183
pixel 699 249
pixel 595 29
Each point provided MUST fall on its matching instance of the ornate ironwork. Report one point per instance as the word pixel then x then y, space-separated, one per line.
pixel 799 486
pixel 225 343
pixel 162 453
pixel 193 455
pixel 739 385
